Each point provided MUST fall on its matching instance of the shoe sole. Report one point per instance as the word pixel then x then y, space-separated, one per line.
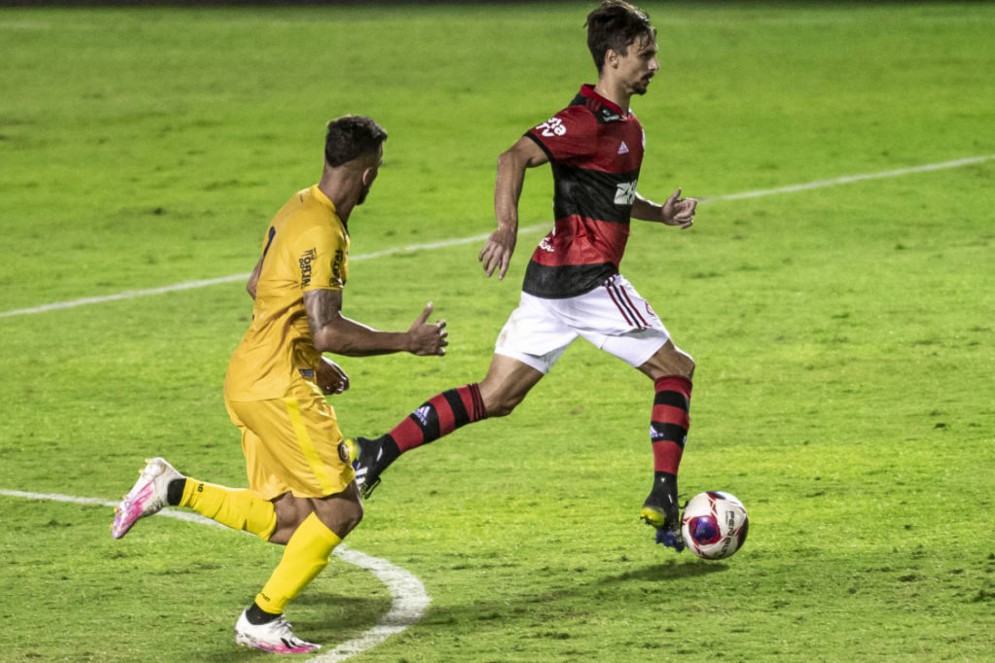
pixel 366 489
pixel 249 642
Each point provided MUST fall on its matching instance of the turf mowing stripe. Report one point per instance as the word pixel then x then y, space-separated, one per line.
pixel 759 193
pixel 408 604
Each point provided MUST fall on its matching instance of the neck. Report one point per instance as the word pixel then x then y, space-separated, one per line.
pixel 613 92
pixel 342 194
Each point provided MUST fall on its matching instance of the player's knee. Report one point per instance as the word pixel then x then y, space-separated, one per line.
pixel 687 365
pixel 346 519
pixel 340 513
pixel 352 516
pixel 669 360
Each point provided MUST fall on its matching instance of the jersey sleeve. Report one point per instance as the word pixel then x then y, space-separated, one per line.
pixel 570 135
pixel 321 260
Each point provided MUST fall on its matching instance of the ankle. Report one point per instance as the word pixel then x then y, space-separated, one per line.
pixel 257 615
pixel 174 491
pixel 387 453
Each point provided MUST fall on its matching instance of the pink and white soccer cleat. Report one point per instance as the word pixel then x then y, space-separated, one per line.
pixel 274 637
pixel 146 497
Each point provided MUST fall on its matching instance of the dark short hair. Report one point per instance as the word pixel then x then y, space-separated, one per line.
pixel 350 137
pixel 616 25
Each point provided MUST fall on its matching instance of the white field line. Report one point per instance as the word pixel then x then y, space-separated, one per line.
pixel 203 283
pixel 849 179
pixel 459 241
pixel 127 294
pixel 409 600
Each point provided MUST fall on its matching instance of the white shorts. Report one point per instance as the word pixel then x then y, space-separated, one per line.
pixel 612 316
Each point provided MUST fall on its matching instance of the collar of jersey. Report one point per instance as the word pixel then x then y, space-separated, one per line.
pixel 587 90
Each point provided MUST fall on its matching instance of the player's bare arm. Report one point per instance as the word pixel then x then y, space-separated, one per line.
pixel 676 211
pixel 335 333
pixel 253 281
pixel 497 251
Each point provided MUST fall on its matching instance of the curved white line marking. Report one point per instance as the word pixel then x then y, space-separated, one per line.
pixel 408 605
pixel 409 600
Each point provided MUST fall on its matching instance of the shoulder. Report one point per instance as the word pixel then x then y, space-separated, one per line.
pixel 572 119
pixel 304 219
pixel 307 210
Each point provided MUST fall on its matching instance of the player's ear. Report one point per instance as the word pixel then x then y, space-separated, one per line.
pixel 611 58
pixel 369 175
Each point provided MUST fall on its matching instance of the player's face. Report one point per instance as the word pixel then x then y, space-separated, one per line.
pixel 370 174
pixel 639 64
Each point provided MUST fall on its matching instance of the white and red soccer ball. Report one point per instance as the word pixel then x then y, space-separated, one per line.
pixel 714 524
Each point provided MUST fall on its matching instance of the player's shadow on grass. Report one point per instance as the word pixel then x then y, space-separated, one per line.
pixel 333 614
pixel 535 611
pixel 672 570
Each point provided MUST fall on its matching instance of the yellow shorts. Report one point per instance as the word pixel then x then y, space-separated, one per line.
pixel 292 445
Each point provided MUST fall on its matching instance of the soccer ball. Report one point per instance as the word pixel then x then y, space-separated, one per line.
pixel 714 525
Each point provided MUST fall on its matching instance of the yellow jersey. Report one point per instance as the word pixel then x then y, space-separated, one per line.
pixel 305 248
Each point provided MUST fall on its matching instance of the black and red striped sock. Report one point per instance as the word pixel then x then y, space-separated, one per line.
pixel 669 424
pixel 438 416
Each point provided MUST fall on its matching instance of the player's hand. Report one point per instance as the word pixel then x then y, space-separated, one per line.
pixel 678 211
pixel 427 338
pixel 330 377
pixel 496 254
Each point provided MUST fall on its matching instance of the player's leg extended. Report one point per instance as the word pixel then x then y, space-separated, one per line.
pixel 236 508
pixel 160 484
pixel 507 383
pixel 671 370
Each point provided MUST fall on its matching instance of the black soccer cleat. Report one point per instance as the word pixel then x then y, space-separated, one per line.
pixel 662 510
pixel 364 453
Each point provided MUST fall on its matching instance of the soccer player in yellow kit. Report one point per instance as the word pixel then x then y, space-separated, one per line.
pixel 302 490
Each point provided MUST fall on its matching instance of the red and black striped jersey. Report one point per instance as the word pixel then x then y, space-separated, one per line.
pixel 595 150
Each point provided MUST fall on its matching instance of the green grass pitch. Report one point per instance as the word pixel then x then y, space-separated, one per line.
pixel 843 334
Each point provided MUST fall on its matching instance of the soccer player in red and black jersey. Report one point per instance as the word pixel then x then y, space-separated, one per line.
pixel 572 286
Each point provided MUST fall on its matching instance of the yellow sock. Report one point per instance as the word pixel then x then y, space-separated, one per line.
pixel 235 508
pixel 306 555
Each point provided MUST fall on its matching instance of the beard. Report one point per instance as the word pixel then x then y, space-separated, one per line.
pixel 642 85
pixel 362 195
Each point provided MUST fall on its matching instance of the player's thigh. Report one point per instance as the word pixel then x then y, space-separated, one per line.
pixel 293 445
pixel 617 319
pixel 613 308
pixel 533 336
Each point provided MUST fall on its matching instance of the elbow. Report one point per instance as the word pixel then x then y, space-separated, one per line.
pixel 511 158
